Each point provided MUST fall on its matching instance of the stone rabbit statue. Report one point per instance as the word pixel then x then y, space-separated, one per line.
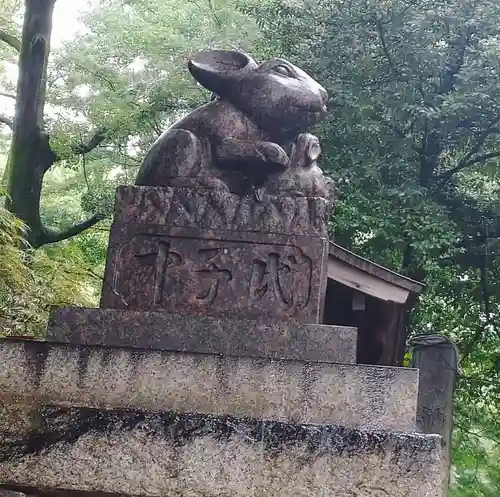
pixel 304 178
pixel 239 138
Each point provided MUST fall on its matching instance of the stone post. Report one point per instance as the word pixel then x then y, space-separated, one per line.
pixel 437 359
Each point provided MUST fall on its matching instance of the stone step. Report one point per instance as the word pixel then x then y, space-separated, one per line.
pixel 354 396
pixel 133 453
pixel 202 334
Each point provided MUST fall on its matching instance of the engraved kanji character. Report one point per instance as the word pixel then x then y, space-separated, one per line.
pixel 213 273
pixel 286 276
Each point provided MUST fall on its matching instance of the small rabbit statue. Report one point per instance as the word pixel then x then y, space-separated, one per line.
pixel 238 139
pixel 303 178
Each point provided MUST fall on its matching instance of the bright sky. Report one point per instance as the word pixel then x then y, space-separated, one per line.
pixel 65 21
pixel 65 26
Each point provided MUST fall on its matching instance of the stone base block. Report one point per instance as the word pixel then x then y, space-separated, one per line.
pixel 363 397
pixel 202 334
pixel 215 273
pixel 192 455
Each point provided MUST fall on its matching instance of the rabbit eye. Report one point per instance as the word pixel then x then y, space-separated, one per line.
pixel 282 69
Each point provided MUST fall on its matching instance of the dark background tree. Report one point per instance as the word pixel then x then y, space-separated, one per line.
pixel 414 144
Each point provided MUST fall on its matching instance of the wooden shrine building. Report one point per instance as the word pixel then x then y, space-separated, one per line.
pixel 372 298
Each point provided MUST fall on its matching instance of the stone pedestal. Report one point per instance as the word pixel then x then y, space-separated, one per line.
pixel 216 273
pixel 207 252
pixel 207 370
pixel 361 397
pixel 156 330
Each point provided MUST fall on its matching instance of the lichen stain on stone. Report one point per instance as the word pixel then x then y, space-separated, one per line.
pixel 308 379
pixel 106 357
pixel 36 353
pixel 322 440
pixel 222 366
pixel 66 426
pixel 136 361
pixel 415 443
pixel 82 363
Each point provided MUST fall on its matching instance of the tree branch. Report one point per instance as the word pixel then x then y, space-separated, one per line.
pixel 468 160
pixel 84 148
pixel 99 76
pixel 479 158
pixel 212 12
pixel 11 40
pixel 7 121
pixel 455 62
pixel 53 236
pixel 95 140
pixel 6 94
pixel 385 50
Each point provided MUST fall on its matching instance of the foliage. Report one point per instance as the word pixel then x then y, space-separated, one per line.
pixel 128 74
pixel 413 143
pixel 33 281
pixel 125 78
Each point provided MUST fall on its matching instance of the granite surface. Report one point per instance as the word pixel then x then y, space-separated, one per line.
pixel 377 398
pixel 253 130
pixel 216 273
pixel 202 334
pixel 221 210
pixel 129 452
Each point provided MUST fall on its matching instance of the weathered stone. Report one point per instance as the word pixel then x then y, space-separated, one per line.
pixel 10 493
pixel 349 395
pixel 437 358
pixel 194 455
pixel 215 273
pixel 16 417
pixel 226 260
pixel 221 210
pixel 303 177
pixel 202 334
pixel 253 129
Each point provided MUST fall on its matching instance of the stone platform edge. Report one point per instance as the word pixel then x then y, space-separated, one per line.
pixel 34 373
pixel 160 330
pixel 129 452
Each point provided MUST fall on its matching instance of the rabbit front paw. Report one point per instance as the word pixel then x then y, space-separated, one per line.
pixel 273 154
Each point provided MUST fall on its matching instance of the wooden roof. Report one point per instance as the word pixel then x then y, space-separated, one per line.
pixel 367 277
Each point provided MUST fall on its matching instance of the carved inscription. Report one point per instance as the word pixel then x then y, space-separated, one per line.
pixel 141 266
pixel 282 276
pixel 182 274
pixel 212 274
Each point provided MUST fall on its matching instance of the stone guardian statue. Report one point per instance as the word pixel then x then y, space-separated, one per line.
pixel 251 135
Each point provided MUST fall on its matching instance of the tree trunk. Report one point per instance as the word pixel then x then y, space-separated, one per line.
pixel 31 155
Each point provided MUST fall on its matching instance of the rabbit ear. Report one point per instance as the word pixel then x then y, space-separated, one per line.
pixel 217 70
